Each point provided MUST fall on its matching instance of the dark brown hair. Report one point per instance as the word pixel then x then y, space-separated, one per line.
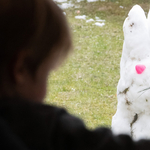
pixel 36 26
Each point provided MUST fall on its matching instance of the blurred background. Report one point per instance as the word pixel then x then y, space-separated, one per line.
pixel 87 81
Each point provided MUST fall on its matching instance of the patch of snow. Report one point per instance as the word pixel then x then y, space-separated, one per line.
pixel 79 1
pixel 60 1
pixel 92 0
pixel 81 17
pixel 96 18
pixel 65 5
pixel 121 7
pixel 90 20
pixel 99 24
pixel 100 20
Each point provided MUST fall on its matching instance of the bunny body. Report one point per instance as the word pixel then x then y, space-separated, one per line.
pixel 133 110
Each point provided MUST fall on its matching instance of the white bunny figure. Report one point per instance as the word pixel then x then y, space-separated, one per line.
pixel 133 110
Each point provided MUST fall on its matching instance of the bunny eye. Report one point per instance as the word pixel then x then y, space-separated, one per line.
pixel 132 24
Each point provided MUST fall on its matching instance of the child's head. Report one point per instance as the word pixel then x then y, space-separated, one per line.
pixel 34 39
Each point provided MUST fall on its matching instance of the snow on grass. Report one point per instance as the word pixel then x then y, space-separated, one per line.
pixel 90 20
pixel 95 0
pixel 121 7
pixel 92 0
pixel 100 20
pixel 79 1
pixel 81 17
pixel 99 24
pixel 97 18
pixel 60 1
pixel 66 5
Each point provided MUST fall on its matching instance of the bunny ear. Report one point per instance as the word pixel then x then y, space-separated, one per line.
pixel 136 20
pixel 136 36
pixel 148 21
pixel 135 27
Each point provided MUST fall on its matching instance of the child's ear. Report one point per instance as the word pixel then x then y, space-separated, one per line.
pixel 20 71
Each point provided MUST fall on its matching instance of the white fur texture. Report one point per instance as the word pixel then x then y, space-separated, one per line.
pixel 133 110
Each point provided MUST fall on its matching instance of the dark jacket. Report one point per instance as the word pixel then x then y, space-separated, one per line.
pixel 32 126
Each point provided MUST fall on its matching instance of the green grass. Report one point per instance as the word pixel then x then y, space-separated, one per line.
pixel 86 83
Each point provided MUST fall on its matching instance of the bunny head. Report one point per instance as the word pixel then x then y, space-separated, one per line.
pixel 136 32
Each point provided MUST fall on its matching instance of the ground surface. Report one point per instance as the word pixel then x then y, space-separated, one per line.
pixel 86 83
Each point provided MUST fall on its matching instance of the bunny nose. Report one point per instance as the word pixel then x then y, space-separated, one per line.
pixel 140 68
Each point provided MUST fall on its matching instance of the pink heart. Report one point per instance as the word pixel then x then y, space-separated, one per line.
pixel 140 68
